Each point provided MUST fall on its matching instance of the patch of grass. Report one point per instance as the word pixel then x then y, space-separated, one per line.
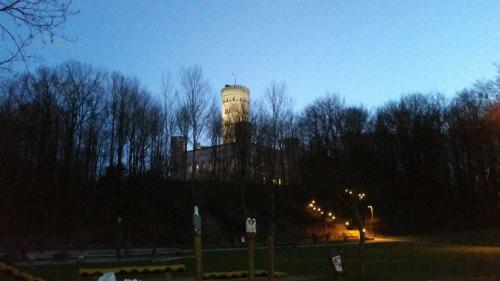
pixel 483 237
pixel 384 261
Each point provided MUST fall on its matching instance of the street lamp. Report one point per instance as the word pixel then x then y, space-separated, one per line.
pixel 371 210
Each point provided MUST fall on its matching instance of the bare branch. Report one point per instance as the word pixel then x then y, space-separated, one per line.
pixel 24 20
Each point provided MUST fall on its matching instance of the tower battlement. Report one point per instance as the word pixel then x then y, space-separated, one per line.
pixel 238 88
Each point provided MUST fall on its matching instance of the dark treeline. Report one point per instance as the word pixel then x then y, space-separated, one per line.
pixel 426 163
pixel 81 147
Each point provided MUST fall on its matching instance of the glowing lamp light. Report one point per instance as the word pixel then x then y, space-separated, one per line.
pixel 347 223
pixel 333 217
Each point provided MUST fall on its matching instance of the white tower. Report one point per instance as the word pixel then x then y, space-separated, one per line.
pixel 235 108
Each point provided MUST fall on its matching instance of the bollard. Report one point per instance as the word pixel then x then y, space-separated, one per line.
pixel 197 244
pixel 251 231
pixel 270 249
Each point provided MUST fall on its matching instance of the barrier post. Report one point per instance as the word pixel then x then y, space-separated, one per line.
pixel 270 252
pixel 197 244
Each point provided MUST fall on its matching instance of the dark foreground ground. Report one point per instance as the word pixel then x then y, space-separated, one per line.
pixel 472 255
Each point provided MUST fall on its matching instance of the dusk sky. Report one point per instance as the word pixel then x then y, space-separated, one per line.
pixel 366 51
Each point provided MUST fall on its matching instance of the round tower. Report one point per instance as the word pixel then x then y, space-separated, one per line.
pixel 235 108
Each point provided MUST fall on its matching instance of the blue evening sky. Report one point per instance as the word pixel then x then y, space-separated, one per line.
pixel 366 51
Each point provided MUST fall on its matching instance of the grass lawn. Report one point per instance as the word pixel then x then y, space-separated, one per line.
pixel 384 261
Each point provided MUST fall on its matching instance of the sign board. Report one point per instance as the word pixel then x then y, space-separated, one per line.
pixel 336 262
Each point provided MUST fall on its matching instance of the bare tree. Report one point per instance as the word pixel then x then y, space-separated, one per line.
pixel 195 90
pixel 354 171
pixel 258 119
pixel 168 108
pixel 280 108
pixel 21 21
pixel 120 100
pixel 320 124
pixel 182 124
pixel 215 134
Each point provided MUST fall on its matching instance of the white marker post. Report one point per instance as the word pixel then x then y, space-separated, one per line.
pixel 251 230
pixel 197 244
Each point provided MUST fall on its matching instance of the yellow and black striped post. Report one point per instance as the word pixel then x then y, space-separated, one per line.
pixel 251 256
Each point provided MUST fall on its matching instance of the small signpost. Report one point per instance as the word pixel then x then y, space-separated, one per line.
pixel 336 263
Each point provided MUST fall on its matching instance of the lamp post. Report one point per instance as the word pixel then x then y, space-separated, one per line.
pixel 371 210
pixel 373 225
pixel 119 238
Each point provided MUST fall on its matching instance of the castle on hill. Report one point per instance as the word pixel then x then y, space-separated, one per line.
pixel 237 157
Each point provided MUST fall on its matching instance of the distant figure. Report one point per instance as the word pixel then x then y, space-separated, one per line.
pixel 315 238
pixel 242 239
